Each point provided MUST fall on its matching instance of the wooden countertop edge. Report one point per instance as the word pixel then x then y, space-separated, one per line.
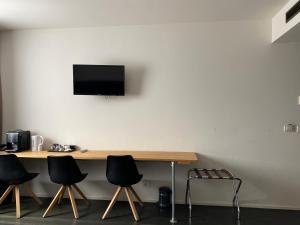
pixel 140 155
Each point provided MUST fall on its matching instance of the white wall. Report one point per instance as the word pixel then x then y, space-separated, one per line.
pixel 286 32
pixel 220 89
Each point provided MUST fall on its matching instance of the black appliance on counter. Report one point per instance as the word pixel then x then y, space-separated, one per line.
pixel 18 140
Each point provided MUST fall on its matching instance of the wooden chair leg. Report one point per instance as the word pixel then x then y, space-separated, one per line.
pixel 81 194
pixel 18 204
pixel 73 203
pixel 52 204
pixel 31 193
pixel 61 195
pixel 6 193
pixel 136 196
pixel 112 202
pixel 131 203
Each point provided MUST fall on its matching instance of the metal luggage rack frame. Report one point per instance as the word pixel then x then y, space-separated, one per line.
pixel 216 174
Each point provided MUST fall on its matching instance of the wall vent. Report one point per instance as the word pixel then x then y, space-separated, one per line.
pixel 294 11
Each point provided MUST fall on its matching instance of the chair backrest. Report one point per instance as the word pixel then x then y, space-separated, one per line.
pixel 11 168
pixel 121 170
pixel 63 169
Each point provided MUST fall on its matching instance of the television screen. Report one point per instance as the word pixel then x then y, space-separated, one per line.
pixel 98 79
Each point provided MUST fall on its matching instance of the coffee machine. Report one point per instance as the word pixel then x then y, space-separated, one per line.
pixel 17 140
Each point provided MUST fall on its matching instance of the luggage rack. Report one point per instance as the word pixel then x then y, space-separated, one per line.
pixel 217 174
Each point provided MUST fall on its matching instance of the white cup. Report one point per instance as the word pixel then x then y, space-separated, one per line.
pixel 37 142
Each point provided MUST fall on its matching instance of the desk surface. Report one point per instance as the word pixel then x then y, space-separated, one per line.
pixel 162 156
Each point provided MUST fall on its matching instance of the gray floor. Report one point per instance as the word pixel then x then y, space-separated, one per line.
pixel 150 215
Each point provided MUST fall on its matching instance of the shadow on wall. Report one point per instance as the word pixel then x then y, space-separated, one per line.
pixel 255 182
pixel 134 80
pixel 134 77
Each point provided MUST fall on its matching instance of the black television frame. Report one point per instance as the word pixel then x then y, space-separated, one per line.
pixel 119 91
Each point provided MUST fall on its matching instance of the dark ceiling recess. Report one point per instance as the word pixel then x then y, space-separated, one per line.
pixel 292 12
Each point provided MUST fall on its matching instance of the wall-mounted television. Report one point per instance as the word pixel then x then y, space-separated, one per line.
pixel 98 79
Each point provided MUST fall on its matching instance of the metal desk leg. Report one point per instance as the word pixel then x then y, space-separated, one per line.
pixel 235 200
pixel 173 219
pixel 190 201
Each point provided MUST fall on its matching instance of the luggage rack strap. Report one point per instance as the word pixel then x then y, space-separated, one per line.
pixel 211 174
pixel 217 173
pixel 197 173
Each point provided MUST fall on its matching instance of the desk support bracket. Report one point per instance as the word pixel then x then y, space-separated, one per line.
pixel 173 219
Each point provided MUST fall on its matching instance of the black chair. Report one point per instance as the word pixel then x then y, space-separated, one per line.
pixel 13 173
pixel 122 171
pixel 64 170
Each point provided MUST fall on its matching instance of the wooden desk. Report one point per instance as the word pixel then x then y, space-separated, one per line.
pixel 158 156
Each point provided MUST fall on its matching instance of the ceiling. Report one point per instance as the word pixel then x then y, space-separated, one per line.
pixel 27 14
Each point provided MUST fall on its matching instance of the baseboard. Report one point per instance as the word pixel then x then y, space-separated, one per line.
pixel 245 205
pixel 204 203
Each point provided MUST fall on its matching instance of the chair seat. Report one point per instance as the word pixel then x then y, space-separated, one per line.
pixel 69 180
pixel 64 170
pixel 20 180
pixel 122 171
